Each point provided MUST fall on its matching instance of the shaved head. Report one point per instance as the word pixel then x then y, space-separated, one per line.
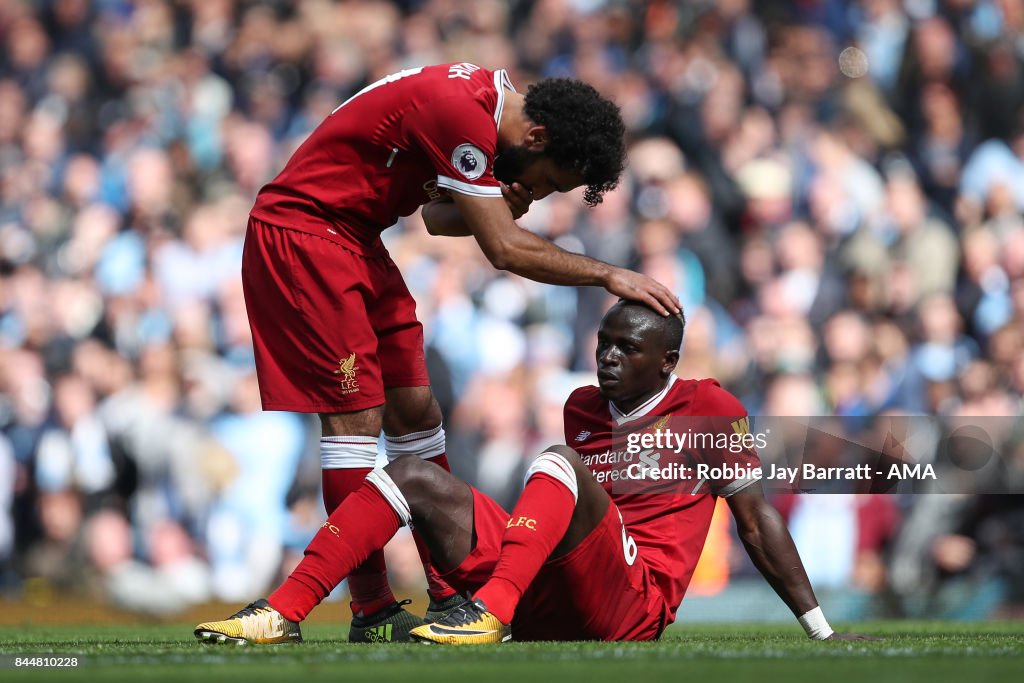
pixel 647 321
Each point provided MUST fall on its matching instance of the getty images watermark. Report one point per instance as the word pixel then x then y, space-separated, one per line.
pixel 890 454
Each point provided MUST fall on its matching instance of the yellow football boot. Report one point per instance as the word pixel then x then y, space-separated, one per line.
pixel 468 624
pixel 258 624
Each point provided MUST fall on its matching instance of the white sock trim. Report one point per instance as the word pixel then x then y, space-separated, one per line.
pixel 347 452
pixel 815 625
pixel 426 444
pixel 557 467
pixel 392 494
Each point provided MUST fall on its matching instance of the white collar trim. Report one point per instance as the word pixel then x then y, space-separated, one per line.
pixel 501 83
pixel 644 408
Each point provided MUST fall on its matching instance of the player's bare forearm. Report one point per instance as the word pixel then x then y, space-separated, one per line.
pixel 771 548
pixel 509 247
pixel 521 252
pixel 534 257
pixel 769 545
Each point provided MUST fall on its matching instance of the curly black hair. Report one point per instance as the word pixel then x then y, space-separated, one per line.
pixel 586 132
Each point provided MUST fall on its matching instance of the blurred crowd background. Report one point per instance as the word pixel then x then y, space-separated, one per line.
pixel 835 189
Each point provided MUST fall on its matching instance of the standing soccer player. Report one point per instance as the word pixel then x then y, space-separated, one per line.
pixel 588 553
pixel 334 326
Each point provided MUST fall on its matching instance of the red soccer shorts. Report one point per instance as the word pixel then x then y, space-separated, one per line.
pixel 331 329
pixel 591 593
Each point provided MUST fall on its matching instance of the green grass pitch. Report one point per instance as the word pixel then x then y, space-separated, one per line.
pixel 911 651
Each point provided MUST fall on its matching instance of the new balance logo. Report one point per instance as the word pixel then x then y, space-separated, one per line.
pixel 379 634
pixel 582 436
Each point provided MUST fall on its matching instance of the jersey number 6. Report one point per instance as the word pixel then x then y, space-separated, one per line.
pixel 629 549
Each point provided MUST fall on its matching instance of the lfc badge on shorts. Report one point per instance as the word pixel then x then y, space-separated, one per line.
pixel 347 369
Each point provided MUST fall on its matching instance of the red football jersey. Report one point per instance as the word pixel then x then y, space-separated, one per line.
pixel 668 520
pixel 393 146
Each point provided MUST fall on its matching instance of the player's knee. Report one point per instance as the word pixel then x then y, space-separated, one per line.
pixel 405 471
pixel 416 478
pixel 564 451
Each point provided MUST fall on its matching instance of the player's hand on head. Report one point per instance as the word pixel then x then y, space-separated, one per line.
pixel 518 198
pixel 627 284
pixel 852 636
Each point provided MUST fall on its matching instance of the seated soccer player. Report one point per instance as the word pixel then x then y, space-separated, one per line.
pixel 590 551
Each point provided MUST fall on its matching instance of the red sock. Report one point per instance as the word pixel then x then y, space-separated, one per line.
pixel 368 583
pixel 538 522
pixel 357 528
